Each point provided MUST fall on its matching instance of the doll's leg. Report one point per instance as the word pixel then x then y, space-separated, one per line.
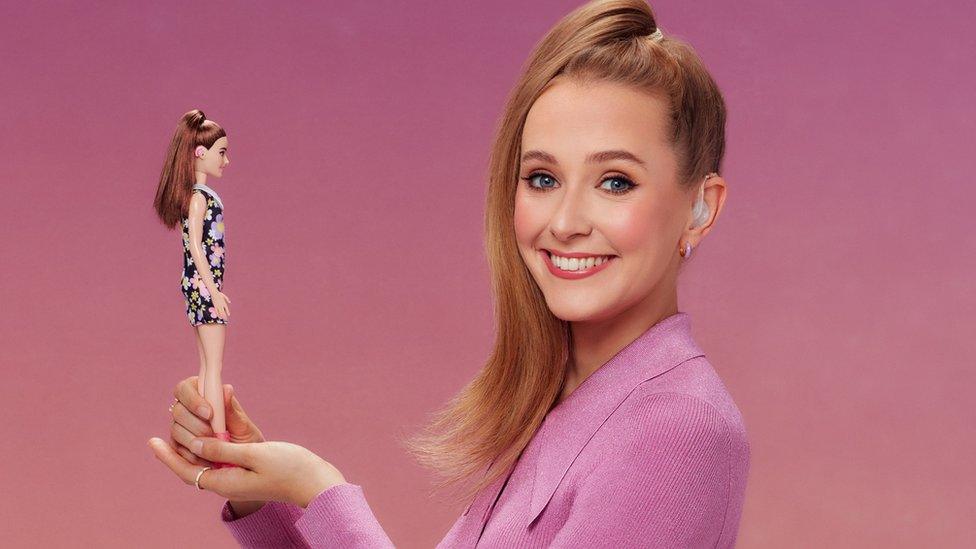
pixel 212 336
pixel 203 361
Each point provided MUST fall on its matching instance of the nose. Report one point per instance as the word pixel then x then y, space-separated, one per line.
pixel 570 216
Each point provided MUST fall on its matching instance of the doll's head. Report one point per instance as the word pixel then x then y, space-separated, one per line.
pixel 211 161
pixel 606 150
pixel 198 146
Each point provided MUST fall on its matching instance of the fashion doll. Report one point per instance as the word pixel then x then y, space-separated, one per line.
pixel 596 420
pixel 198 150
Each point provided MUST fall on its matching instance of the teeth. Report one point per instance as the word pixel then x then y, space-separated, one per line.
pixel 577 264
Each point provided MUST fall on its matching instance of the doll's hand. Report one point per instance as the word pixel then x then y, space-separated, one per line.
pixel 191 417
pixel 269 471
pixel 220 301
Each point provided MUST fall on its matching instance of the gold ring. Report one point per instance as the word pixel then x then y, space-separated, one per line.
pixel 197 480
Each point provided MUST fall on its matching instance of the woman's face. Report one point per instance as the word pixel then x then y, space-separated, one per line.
pixel 214 159
pixel 599 180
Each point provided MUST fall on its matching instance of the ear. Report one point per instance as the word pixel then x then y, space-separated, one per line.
pixel 713 195
pixel 198 152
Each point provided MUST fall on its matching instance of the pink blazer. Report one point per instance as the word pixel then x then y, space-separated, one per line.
pixel 649 451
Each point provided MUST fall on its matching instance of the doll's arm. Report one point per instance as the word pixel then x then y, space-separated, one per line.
pixel 198 208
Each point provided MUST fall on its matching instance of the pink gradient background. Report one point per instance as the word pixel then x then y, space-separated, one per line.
pixel 835 296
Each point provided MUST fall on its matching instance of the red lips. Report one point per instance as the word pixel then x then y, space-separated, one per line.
pixel 574 275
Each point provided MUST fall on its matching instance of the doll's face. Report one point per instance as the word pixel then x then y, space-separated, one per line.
pixel 212 160
pixel 597 177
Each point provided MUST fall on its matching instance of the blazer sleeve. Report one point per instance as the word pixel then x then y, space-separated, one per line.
pixel 668 487
pixel 340 517
pixel 273 525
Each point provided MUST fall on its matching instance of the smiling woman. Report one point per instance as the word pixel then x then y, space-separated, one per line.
pixel 607 188
pixel 596 421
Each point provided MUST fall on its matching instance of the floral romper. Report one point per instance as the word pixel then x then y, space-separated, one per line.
pixel 199 306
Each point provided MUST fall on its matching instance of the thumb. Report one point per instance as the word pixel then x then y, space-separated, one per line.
pixel 236 419
pixel 217 450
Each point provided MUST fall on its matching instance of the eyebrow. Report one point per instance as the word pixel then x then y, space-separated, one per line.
pixel 602 156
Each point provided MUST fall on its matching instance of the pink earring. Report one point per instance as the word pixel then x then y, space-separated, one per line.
pixel 686 253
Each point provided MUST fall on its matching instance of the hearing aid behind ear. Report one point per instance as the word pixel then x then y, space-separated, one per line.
pixel 700 209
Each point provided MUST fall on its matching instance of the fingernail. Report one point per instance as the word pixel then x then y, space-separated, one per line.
pixel 196 446
pixel 203 411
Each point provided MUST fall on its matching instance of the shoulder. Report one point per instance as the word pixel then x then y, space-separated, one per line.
pixel 687 433
pixel 694 384
pixel 679 422
pixel 198 203
pixel 670 454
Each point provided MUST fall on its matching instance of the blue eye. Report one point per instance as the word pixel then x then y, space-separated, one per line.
pixel 623 186
pixel 617 190
pixel 532 177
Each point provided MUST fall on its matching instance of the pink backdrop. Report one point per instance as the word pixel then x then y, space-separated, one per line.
pixel 835 295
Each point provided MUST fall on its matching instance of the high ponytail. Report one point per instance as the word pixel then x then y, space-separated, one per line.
pixel 172 202
pixel 493 418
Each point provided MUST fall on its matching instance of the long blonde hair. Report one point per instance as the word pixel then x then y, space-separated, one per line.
pixel 491 420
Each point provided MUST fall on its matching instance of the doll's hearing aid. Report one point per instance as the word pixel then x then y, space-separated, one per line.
pixel 700 209
pixel 198 152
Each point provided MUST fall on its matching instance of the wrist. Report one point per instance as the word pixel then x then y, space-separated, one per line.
pixel 241 509
pixel 321 477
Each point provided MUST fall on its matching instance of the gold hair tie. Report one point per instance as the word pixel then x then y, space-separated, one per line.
pixel 657 35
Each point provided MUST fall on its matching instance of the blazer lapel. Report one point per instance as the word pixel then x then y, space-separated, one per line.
pixel 571 424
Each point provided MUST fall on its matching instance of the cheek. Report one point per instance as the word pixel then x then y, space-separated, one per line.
pixel 527 221
pixel 637 228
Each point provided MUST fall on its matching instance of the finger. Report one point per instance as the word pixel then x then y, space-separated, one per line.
pixel 187 472
pixel 171 458
pixel 181 438
pixel 216 450
pixel 187 455
pixel 187 394
pixel 228 392
pixel 191 422
pixel 237 420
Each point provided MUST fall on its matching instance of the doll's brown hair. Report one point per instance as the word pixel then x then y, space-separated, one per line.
pixel 172 202
pixel 495 416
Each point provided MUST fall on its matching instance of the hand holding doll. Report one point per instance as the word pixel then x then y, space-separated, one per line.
pixel 267 470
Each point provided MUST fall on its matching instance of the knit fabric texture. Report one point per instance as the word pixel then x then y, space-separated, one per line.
pixel 650 450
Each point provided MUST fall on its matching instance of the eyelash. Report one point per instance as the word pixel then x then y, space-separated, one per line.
pixel 528 181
